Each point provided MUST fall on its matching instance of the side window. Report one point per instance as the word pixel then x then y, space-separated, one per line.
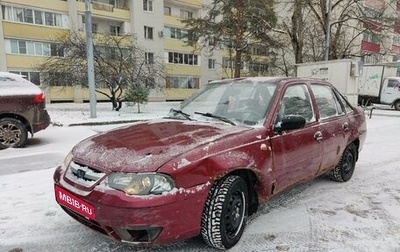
pixel 327 102
pixel 296 101
pixel 393 83
pixel 347 107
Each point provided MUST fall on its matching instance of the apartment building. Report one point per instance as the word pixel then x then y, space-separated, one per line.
pixel 28 29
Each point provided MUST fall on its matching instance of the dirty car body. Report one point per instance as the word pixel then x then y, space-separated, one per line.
pixel 22 110
pixel 211 162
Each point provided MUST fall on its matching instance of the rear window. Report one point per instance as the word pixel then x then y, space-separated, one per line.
pixel 6 78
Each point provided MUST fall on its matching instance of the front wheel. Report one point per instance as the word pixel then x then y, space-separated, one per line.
pixel 345 168
pixel 12 133
pixel 225 213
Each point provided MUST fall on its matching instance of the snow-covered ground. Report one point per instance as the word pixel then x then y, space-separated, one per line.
pixel 321 215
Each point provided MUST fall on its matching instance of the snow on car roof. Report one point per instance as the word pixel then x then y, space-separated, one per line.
pixel 253 79
pixel 14 84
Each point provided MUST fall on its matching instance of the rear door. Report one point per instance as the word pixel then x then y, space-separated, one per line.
pixel 334 125
pixel 297 154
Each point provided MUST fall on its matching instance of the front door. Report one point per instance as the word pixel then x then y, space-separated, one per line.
pixel 390 91
pixel 297 154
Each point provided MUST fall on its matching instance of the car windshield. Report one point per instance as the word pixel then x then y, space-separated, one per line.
pixel 242 102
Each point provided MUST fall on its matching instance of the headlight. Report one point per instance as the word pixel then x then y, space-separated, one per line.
pixel 67 159
pixel 141 183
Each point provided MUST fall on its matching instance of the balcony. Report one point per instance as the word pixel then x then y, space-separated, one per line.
pixel 370 47
pixel 109 5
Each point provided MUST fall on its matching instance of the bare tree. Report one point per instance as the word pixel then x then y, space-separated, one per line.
pixel 119 65
pixel 232 25
pixel 304 24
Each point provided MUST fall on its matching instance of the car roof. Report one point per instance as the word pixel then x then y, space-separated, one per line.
pixel 14 84
pixel 276 79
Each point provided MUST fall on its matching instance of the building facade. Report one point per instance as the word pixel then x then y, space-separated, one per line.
pixel 28 30
pixel 30 27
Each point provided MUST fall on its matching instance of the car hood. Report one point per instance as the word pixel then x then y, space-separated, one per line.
pixel 146 146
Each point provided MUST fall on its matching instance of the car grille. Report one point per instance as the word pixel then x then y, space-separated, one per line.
pixel 83 175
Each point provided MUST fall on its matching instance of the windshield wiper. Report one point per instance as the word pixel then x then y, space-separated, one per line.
pixel 221 118
pixel 180 112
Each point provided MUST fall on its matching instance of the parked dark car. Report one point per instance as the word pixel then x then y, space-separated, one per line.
pixel 211 162
pixel 22 110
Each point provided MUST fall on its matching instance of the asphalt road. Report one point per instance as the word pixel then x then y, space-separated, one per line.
pixel 361 215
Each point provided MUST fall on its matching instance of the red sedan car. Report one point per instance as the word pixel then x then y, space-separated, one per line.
pixel 208 165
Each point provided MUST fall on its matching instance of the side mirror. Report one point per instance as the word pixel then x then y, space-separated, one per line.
pixel 290 122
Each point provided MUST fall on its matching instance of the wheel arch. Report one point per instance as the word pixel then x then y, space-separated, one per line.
pixel 356 142
pixel 393 105
pixel 20 118
pixel 251 180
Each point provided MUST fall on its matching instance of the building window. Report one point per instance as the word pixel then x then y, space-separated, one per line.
pixel 34 48
pixel 183 58
pixel 182 82
pixel 228 63
pixel 28 16
pixel 56 50
pixel 255 67
pixel 258 50
pixel 150 82
pixel 371 37
pixel 148 32
pixel 149 57
pixel 186 14
pixel 94 28
pixel 115 30
pixel 167 11
pixel 211 63
pixel 31 16
pixel 148 5
pixel 38 17
pixel 33 77
pixel 396 40
pixel 176 33
pixel 212 41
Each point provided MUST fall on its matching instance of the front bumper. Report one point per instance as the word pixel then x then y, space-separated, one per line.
pixel 141 220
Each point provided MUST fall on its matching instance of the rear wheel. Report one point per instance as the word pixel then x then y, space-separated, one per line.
pixel 345 168
pixel 397 105
pixel 225 213
pixel 12 133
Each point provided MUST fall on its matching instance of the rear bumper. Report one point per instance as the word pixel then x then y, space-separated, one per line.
pixel 41 121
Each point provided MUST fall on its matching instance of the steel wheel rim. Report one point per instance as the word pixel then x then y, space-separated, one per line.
pixel 348 162
pixel 235 212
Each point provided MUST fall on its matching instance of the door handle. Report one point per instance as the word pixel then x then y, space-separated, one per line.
pixel 318 136
pixel 345 126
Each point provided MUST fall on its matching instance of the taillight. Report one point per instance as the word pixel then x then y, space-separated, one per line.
pixel 39 98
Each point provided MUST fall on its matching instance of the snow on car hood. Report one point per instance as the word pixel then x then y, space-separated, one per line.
pixel 13 84
pixel 146 146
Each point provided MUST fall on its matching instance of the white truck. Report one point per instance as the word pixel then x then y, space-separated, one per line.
pixel 361 84
pixel 343 74
pixel 379 84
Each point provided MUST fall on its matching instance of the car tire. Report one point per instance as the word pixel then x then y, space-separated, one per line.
pixel 396 105
pixel 12 133
pixel 345 168
pixel 225 213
